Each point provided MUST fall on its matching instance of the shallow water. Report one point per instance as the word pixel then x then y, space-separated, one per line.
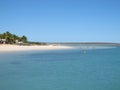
pixel 94 69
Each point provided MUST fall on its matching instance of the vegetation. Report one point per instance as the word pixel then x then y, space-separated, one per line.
pixel 37 43
pixel 9 38
pixel 12 38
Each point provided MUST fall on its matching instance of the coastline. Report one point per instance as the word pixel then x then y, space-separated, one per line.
pixel 13 48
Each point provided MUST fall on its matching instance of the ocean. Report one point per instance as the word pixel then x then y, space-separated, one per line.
pixel 86 68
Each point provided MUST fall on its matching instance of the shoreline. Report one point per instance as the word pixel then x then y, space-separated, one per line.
pixel 13 48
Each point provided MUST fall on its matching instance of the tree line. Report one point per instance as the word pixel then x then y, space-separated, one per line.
pixel 12 38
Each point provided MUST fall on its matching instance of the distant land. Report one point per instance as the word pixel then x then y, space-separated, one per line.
pixel 9 38
pixel 95 43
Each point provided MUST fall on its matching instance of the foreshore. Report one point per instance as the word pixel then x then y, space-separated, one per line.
pixel 13 48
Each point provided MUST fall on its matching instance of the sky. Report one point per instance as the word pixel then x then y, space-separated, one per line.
pixel 62 20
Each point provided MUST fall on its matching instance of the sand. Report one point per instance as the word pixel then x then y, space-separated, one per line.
pixel 13 48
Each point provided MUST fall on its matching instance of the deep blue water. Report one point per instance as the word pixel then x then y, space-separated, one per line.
pixel 61 70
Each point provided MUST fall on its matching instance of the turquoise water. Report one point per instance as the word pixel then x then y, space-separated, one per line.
pixel 94 69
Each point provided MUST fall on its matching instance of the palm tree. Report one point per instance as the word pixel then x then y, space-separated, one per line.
pixel 1 36
pixel 24 39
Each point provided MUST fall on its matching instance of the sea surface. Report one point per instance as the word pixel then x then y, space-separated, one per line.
pixel 81 68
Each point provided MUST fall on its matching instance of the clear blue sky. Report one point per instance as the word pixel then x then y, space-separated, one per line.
pixel 62 20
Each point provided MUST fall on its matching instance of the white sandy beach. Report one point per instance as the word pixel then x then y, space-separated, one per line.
pixel 12 48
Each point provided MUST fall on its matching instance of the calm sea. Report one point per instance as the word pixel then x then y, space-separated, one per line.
pixel 75 69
